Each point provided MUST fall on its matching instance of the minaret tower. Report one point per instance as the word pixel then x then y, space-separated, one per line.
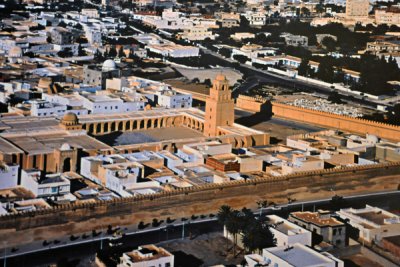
pixel 220 107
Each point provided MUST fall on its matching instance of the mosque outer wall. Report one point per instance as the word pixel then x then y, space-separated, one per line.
pixel 325 119
pixel 254 104
pixel 334 121
pixel 78 218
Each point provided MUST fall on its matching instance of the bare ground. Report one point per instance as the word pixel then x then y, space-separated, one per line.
pixel 210 248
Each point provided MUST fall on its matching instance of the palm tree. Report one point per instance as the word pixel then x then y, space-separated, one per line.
pixel 234 225
pixel 320 9
pixel 257 235
pixel 224 213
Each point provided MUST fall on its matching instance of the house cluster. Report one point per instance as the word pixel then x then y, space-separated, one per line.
pixel 165 48
pixel 308 238
pixel 324 150
pixel 304 239
pixel 387 46
pixel 54 33
pixel 120 94
pixel 194 164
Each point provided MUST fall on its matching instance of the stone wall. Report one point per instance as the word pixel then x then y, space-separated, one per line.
pixel 334 121
pixel 254 104
pixel 78 218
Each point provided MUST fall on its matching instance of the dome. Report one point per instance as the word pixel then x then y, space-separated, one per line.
pixel 220 77
pixel 65 147
pixel 108 65
pixel 372 138
pixel 70 119
pixel 15 51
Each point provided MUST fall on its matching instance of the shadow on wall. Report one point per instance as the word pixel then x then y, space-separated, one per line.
pixel 263 115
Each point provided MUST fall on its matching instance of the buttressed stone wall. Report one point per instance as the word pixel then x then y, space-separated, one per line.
pixel 334 121
pixel 84 217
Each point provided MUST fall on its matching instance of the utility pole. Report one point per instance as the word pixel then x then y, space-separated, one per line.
pixel 5 257
pixel 183 230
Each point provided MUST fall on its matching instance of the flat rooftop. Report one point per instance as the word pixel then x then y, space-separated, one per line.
pixel 375 217
pixel 47 142
pixel 148 252
pixel 8 148
pixel 314 218
pixel 28 124
pixel 300 255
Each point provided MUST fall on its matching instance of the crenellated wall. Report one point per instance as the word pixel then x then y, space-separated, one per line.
pixel 78 218
pixel 334 121
pixel 254 104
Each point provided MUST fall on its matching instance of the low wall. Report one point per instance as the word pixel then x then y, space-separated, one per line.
pixel 334 121
pixel 70 219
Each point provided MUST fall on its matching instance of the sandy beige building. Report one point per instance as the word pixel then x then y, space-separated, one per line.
pixel 357 9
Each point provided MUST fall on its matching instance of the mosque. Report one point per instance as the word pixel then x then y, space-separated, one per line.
pixel 56 145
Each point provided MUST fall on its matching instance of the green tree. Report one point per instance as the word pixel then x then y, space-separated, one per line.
pixel 233 225
pixel 334 97
pixel 62 24
pixel 223 214
pixel 112 52
pixel 319 8
pixel 244 23
pixel 304 68
pixel 241 58
pixel 78 26
pixel 121 52
pixel 326 70
pixel 226 52
pixel 66 52
pixel 394 115
pixel 305 12
pixel 329 43
pixel 257 236
pixel 98 56
pixel 81 52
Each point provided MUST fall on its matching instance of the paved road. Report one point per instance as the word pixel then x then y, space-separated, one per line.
pixel 275 79
pixel 385 200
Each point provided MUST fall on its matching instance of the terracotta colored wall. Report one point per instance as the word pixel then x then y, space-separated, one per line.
pixel 334 121
pixel 224 167
pixel 392 247
pixel 78 218
pixel 250 103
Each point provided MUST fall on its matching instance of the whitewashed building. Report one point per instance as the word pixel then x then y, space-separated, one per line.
pixel 43 108
pixel 8 175
pixel 148 255
pixel 172 99
pixel 106 104
pixel 374 223
pixel 288 233
pixel 49 185
pixel 298 255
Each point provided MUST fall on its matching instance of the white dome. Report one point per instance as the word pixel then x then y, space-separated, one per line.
pixel 15 51
pixel 108 65
pixel 372 138
pixel 65 147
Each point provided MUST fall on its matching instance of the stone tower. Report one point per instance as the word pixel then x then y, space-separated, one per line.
pixel 219 107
